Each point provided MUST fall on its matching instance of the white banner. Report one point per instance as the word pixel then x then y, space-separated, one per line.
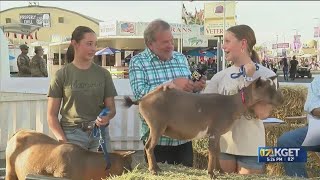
pixel 108 28
pixel 195 41
pixel 186 30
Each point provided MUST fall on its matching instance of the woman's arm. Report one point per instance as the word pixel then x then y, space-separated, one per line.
pixel 53 121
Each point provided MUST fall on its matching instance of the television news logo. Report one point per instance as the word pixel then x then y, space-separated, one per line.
pixel 282 154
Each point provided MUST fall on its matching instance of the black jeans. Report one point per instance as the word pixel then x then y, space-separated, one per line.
pixel 181 154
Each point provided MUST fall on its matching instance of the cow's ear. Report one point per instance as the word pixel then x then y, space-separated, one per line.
pixel 128 153
pixel 258 82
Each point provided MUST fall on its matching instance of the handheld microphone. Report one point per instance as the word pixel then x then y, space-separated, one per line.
pixel 198 73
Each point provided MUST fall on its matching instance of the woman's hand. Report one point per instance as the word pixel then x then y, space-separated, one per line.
pixel 250 69
pixel 102 121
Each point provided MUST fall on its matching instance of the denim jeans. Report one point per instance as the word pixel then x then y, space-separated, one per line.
pixel 86 139
pixel 295 138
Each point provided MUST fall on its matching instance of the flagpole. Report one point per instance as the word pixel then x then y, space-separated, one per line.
pixel 181 41
pixel 224 30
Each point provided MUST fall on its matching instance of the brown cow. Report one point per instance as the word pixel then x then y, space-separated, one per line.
pixel 186 116
pixel 31 152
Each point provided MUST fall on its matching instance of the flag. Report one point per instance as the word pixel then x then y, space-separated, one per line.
pixel 185 16
pixel 127 27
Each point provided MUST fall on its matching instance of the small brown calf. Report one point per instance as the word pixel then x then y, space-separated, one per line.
pixel 31 152
pixel 186 116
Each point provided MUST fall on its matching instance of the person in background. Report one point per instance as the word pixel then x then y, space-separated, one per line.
pixel 293 68
pixel 239 145
pixel 285 68
pixel 38 66
pixel 84 88
pixel 296 137
pixel 156 65
pixel 23 62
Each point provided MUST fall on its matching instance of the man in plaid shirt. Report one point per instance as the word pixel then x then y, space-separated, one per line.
pixel 156 65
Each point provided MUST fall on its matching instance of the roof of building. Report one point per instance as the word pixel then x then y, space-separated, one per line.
pixel 50 7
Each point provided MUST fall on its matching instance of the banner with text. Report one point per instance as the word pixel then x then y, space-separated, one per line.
pixel 39 19
pixel 195 41
pixel 280 45
pixel 214 27
pixel 108 28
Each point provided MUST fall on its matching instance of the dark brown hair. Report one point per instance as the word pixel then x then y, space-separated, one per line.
pixel 79 32
pixel 246 32
pixel 70 54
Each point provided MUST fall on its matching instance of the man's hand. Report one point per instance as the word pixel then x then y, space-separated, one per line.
pixel 250 69
pixel 184 84
pixel 199 85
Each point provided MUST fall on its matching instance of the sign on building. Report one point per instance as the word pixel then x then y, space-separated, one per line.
pixel 39 19
pixel 280 45
pixel 214 14
pixel 127 28
pixel 108 28
pixel 195 41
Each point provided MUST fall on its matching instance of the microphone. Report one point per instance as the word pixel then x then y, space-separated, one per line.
pixel 198 73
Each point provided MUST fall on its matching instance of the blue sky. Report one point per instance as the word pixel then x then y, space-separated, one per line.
pixel 267 18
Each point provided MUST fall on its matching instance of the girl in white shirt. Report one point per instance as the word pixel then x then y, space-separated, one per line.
pixel 239 146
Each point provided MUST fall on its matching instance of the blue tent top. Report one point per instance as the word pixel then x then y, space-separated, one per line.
pixel 107 51
pixel 202 52
pixel 11 57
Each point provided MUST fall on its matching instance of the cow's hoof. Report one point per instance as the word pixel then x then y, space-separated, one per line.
pixel 213 175
pixel 154 172
pixel 158 169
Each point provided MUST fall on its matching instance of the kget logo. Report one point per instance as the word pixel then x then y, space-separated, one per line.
pixel 281 154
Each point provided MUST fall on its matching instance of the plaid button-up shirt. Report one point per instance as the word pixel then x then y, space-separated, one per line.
pixel 146 72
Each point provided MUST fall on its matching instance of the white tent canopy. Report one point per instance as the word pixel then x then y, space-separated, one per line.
pixel 19 28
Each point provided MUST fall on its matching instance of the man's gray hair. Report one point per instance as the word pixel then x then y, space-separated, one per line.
pixel 153 27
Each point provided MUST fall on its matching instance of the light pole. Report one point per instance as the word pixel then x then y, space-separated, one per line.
pixel 318 36
pixel 224 30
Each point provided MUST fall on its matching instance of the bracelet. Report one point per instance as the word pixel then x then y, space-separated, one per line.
pixel 247 78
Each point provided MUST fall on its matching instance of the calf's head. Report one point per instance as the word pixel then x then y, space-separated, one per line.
pixel 122 162
pixel 263 96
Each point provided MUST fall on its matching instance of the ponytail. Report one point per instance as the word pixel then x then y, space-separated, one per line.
pixel 70 54
pixel 255 57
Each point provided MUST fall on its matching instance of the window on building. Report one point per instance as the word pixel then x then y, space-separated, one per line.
pixel 56 59
pixel 61 19
pixel 8 20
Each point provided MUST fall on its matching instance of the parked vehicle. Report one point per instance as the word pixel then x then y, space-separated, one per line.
pixel 304 71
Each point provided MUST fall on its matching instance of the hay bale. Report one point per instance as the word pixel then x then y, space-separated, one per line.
pixel 179 172
pixel 294 99
pixel 272 134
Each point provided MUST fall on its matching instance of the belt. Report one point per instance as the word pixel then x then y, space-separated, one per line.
pixel 86 126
